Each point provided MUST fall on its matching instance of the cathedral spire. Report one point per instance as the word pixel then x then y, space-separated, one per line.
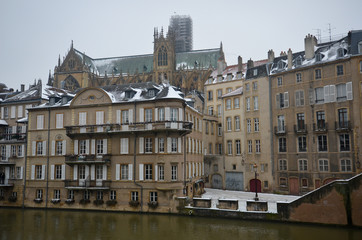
pixel 71 45
pixel 59 61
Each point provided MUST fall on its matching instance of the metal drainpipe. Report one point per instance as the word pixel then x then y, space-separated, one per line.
pixel 47 169
pixel 26 159
pixel 223 139
pixel 135 157
pixel 271 123
pixel 184 119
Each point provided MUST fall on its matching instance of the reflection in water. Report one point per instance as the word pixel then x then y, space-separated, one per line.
pixel 40 224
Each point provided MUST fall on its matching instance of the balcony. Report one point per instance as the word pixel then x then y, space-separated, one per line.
pixel 343 126
pixel 6 182
pixel 280 130
pixel 9 161
pixel 87 184
pixel 320 127
pixel 111 129
pixel 12 137
pixel 87 159
pixel 300 129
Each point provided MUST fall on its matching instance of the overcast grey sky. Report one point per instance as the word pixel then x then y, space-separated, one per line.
pixel 34 33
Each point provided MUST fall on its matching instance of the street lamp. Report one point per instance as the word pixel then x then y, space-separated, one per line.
pixel 256 183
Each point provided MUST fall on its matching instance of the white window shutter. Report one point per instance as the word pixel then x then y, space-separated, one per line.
pixel 76 147
pixel 130 116
pixel 190 168
pixel 64 145
pixel 13 111
pixel 2 112
pixel 93 146
pixel 349 91
pixel 53 148
pixel 75 172
pixel 141 172
pixel 156 172
pixel 179 142
pixel 20 111
pixel 86 171
pixel 14 129
pixel 43 172
pixel 105 146
pixel 156 145
pixel 8 151
pixel 21 172
pixel 332 93
pixel 297 98
pixel 118 116
pixel 44 148
pixel 87 146
pixel 23 129
pixel 32 175
pixel 286 99
pixel 189 145
pixel 141 116
pixel 168 145
pixel 118 167
pixel 22 151
pixel 33 148
pixel 104 172
pixel 52 172
pixel 180 114
pixel 130 171
pixel 156 114
pixel 326 94
pixel 167 114
pixel 93 171
pixel 311 96
pixel 63 172
pixel 141 142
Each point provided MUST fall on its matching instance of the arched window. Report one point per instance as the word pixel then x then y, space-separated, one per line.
pixel 162 56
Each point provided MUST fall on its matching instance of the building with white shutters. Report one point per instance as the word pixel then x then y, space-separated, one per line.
pixel 133 147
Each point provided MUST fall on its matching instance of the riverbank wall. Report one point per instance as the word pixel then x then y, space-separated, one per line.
pixel 337 203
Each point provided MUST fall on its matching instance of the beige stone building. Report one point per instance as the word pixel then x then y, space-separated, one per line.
pixel 257 131
pixel 133 147
pixel 316 105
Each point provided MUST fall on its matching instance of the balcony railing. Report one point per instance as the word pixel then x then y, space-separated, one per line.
pixel 280 130
pixel 343 126
pixel 132 127
pixel 300 128
pixel 87 159
pixel 320 127
pixel 87 184
pixel 12 137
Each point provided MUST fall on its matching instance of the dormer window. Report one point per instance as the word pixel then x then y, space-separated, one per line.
pixel 51 101
pixel 341 52
pixel 360 47
pixel 229 77
pixel 318 57
pixel 298 61
pixel 151 93
pixel 64 99
pixel 280 64
pixel 255 72
pixel 129 94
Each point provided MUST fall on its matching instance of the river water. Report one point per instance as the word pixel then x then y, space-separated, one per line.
pixel 53 224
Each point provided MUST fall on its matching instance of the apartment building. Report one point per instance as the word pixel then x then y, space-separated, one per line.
pixel 316 113
pixel 257 134
pixel 133 147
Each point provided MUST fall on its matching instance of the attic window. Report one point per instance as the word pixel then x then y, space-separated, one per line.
pixel 298 61
pixel 229 77
pixel 52 101
pixel 281 64
pixel 255 72
pixel 341 52
pixel 318 57
pixel 129 94
pixel 151 93
pixel 360 47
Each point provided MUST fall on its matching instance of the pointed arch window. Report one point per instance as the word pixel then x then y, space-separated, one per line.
pixel 162 57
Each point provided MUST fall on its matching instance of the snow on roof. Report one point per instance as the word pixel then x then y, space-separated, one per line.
pixel 237 91
pixel 22 120
pixel 3 122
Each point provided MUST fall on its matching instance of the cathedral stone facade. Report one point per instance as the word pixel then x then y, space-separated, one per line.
pixel 186 70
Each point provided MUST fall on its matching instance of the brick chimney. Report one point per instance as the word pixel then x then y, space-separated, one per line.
pixel 250 63
pixel 310 42
pixel 240 64
pixel 22 87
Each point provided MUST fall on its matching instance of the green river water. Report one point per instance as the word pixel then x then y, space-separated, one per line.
pixel 52 224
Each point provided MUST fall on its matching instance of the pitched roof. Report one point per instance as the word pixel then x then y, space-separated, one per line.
pixel 144 63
